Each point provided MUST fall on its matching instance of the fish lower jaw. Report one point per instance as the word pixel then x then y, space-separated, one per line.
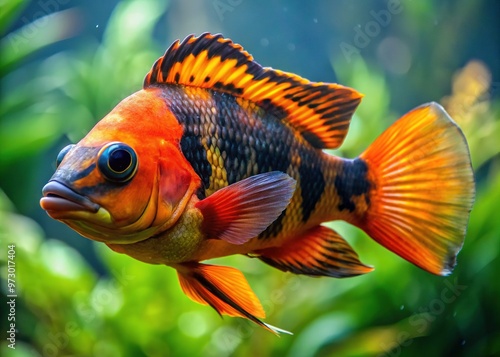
pixel 110 233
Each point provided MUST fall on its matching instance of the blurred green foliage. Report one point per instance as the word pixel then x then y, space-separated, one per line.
pixel 66 307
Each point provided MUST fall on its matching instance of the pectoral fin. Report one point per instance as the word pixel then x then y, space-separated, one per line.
pixel 223 288
pixel 320 252
pixel 241 211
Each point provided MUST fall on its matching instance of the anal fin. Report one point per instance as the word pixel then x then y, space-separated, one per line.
pixel 225 289
pixel 319 252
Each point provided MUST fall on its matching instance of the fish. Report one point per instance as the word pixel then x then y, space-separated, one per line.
pixel 217 155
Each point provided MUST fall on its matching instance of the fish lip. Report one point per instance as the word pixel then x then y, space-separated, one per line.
pixel 57 197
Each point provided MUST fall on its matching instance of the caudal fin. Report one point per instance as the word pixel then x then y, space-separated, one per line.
pixel 423 189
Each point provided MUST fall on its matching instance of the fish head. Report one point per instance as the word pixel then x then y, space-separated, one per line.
pixel 127 179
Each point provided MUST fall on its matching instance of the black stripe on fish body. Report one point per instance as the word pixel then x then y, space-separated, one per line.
pixel 273 146
pixel 196 154
pixel 312 181
pixel 192 119
pixel 251 140
pixel 352 181
pixel 232 138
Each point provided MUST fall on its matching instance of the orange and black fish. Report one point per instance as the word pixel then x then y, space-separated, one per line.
pixel 217 155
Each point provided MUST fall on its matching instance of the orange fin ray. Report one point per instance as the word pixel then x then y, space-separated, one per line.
pixel 423 189
pixel 320 111
pixel 241 211
pixel 319 252
pixel 225 289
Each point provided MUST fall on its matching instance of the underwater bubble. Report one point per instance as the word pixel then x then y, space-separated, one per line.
pixel 62 260
pixel 394 55
pixel 193 324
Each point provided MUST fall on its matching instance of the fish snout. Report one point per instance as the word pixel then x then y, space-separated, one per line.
pixel 57 197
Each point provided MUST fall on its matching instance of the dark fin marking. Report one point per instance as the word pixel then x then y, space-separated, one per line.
pixel 312 182
pixel 319 252
pixel 225 289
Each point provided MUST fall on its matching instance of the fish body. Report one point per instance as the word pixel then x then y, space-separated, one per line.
pixel 218 155
pixel 225 141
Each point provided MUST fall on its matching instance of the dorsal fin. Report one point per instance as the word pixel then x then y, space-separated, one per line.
pixel 320 111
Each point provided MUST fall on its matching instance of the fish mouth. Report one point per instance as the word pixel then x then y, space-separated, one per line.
pixel 59 198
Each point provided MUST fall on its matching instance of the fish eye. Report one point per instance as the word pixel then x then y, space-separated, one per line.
pixel 63 153
pixel 117 162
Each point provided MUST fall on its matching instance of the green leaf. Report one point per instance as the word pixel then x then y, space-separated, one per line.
pixel 9 9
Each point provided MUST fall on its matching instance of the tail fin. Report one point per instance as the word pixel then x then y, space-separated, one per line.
pixel 423 189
